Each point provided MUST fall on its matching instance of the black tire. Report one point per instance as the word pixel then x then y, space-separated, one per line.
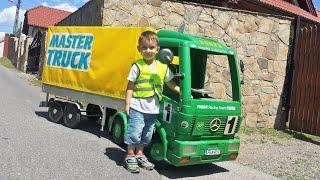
pixel 93 112
pixel 71 116
pixel 55 111
pixel 118 131
pixel 159 163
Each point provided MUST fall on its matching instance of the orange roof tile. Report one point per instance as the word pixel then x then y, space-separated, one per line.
pixel 42 16
pixel 285 6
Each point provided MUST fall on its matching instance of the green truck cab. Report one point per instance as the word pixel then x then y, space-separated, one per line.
pixel 193 127
pixel 196 126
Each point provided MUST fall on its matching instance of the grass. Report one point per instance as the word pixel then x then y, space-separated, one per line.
pixel 6 63
pixel 36 82
pixel 304 137
pixel 265 132
pixel 285 134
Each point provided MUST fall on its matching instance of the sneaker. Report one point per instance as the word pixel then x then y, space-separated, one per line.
pixel 144 163
pixel 131 164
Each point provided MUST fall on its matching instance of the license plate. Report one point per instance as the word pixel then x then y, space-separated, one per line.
pixel 212 152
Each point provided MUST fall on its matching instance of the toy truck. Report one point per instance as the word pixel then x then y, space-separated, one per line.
pixel 85 73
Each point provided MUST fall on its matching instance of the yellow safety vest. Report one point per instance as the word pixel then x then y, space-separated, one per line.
pixel 148 83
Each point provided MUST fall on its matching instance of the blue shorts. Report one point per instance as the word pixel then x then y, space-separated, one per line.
pixel 140 128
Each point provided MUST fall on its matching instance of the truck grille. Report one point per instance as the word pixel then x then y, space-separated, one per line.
pixel 205 130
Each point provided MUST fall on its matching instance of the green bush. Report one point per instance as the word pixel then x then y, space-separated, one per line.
pixel 6 63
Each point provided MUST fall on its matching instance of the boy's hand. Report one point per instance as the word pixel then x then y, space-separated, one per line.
pixel 129 93
pixel 127 109
pixel 173 86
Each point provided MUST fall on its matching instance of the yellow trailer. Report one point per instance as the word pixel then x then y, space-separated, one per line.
pixel 88 64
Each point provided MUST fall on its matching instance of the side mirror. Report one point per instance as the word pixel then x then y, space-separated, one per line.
pixel 241 66
pixel 242 70
pixel 165 56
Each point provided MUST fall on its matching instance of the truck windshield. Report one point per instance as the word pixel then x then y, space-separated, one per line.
pixel 210 75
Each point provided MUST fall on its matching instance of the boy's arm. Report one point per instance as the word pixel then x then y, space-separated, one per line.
pixel 172 85
pixel 129 93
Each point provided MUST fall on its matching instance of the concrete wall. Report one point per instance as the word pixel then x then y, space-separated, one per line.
pixel 13 50
pixel 42 54
pixel 22 58
pixel 1 49
pixel 262 41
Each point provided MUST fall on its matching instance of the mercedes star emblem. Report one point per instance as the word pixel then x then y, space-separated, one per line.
pixel 215 124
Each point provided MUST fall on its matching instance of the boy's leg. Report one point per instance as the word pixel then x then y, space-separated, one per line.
pixel 133 137
pixel 139 150
pixel 131 150
pixel 131 164
pixel 146 137
pixel 142 159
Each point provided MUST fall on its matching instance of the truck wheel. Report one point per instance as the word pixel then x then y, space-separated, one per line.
pixel 55 111
pixel 118 131
pixel 155 152
pixel 155 148
pixel 71 117
pixel 93 112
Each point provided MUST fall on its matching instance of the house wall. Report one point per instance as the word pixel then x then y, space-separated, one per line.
pixel 88 15
pixel 262 41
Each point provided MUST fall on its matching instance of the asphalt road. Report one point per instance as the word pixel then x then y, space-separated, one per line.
pixel 31 147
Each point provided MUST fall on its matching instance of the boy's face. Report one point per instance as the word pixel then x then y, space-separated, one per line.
pixel 148 49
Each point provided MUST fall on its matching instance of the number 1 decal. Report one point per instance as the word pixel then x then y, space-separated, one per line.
pixel 231 125
pixel 167 112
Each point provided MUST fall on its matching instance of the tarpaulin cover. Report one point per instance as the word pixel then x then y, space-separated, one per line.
pixel 91 59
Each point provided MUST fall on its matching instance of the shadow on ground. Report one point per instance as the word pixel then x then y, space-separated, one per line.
pixel 303 137
pixel 85 125
pixel 173 172
pixel 117 154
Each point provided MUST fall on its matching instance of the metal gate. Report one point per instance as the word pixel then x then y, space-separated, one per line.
pixel 304 113
pixel 34 54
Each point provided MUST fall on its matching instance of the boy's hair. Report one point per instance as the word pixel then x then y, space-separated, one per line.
pixel 148 36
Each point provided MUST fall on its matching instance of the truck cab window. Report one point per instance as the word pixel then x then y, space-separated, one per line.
pixel 215 82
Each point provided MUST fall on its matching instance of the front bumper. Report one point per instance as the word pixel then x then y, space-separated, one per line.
pixel 182 153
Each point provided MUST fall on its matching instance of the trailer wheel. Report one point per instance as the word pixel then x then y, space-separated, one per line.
pixel 55 111
pixel 71 117
pixel 93 112
pixel 118 131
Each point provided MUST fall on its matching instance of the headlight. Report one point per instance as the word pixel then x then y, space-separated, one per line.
pixel 233 147
pixel 189 149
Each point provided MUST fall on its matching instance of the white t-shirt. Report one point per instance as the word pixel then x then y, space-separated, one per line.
pixel 148 105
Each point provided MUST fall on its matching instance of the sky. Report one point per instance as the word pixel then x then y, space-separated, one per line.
pixel 8 10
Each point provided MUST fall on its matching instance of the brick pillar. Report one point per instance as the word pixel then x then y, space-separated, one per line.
pixel 6 45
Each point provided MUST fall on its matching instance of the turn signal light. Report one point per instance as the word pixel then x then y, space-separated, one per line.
pixel 233 156
pixel 184 160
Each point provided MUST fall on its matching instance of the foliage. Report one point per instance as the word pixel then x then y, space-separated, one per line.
pixel 6 63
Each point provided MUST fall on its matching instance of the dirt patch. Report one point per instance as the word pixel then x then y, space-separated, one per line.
pixel 284 155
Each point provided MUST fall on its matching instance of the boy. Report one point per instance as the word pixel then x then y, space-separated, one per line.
pixel 144 91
